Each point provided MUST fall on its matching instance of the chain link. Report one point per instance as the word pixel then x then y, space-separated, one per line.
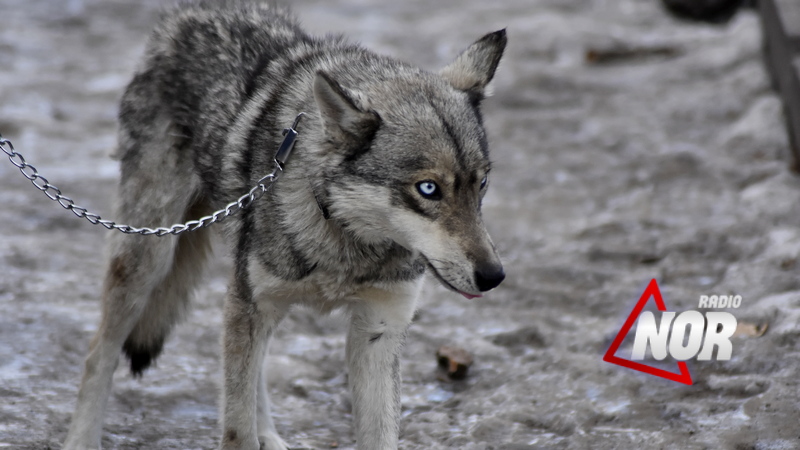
pixel 54 193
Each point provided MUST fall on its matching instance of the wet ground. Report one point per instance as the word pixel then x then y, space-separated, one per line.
pixel 627 146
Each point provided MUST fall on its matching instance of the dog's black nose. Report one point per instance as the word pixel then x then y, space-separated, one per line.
pixel 488 278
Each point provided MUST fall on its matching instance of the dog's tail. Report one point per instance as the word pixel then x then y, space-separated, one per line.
pixel 169 301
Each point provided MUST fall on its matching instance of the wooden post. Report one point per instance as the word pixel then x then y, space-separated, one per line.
pixel 780 21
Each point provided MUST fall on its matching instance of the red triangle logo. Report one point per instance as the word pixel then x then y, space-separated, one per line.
pixel 651 291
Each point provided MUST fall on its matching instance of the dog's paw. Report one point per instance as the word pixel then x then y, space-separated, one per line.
pixel 73 443
pixel 271 441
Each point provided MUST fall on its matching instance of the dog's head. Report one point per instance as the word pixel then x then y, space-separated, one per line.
pixel 412 161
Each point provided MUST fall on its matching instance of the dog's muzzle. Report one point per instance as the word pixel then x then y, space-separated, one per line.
pixel 489 277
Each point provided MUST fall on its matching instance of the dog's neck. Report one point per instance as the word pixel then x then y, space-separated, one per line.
pixel 321 203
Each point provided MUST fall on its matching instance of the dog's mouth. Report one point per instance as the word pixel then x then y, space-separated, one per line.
pixel 446 284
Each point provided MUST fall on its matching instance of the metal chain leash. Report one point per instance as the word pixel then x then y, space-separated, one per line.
pixel 261 187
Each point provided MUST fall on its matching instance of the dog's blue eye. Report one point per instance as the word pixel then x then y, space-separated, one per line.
pixel 429 190
pixel 484 181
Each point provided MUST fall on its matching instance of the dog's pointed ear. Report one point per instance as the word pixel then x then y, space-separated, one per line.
pixel 346 115
pixel 473 69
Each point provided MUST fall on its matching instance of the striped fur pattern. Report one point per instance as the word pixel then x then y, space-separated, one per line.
pixel 385 182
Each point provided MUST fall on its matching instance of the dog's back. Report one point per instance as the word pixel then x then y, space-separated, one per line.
pixel 201 64
pixel 211 64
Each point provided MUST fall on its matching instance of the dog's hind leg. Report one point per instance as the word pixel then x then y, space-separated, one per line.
pixel 376 336
pixel 148 277
pixel 146 291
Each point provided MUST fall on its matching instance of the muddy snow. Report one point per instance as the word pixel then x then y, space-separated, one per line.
pixel 627 146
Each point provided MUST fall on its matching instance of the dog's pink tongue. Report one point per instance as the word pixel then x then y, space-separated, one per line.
pixel 470 296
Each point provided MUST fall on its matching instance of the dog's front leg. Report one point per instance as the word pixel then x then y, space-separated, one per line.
pixel 376 336
pixel 248 326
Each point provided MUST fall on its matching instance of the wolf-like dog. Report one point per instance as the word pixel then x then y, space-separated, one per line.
pixel 386 181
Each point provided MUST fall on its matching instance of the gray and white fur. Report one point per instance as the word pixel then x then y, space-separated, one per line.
pixel 386 181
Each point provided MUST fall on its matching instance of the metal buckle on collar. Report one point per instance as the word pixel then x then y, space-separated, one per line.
pixel 288 142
